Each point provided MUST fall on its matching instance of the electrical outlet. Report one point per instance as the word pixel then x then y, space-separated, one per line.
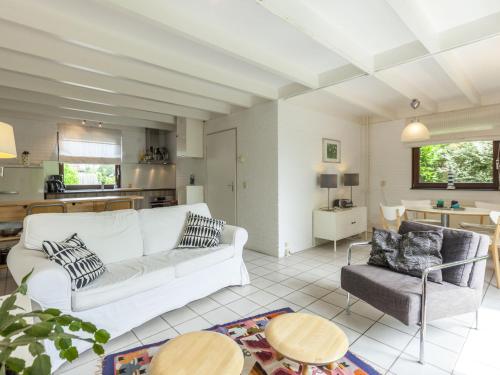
pixel 287 250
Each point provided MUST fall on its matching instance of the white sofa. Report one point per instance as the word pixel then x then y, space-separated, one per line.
pixel 145 274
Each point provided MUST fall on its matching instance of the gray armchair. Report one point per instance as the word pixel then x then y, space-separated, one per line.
pixel 412 300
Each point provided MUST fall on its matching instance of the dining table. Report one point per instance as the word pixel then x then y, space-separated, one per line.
pixel 446 212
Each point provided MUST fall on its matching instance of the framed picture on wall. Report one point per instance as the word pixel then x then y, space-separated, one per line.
pixel 331 151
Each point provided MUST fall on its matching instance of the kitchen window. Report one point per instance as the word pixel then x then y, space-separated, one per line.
pixel 90 176
pixel 473 164
pixel 89 156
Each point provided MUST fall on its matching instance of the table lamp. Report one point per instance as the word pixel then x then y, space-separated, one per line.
pixel 351 179
pixel 7 143
pixel 328 181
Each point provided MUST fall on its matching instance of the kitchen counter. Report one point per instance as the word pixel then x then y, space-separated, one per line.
pixel 102 191
pixel 17 210
pixel 26 203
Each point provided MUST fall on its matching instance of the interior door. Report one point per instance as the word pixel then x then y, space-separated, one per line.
pixel 221 175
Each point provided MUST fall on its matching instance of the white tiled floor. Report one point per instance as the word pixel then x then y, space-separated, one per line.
pixel 309 281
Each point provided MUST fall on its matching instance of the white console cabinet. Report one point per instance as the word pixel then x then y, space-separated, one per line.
pixel 339 224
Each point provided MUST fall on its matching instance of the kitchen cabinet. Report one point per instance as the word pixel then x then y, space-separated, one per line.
pixel 189 138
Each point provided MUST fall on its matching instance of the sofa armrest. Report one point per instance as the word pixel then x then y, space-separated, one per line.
pixel 235 236
pixel 49 285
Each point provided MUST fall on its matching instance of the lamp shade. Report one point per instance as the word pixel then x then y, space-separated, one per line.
pixel 351 179
pixel 328 181
pixel 414 132
pixel 7 142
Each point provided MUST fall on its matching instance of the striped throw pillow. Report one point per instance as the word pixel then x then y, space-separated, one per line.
pixel 82 264
pixel 201 231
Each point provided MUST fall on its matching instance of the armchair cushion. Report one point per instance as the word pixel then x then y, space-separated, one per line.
pixel 457 245
pixel 400 295
pixel 410 253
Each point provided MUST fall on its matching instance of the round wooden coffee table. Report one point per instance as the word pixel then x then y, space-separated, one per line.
pixel 205 352
pixel 307 339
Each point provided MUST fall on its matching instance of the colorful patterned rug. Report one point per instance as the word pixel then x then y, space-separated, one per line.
pixel 260 358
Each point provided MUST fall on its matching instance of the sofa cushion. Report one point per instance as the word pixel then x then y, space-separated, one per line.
pixel 162 228
pixel 113 235
pixel 201 231
pixel 457 245
pixel 193 260
pixel 399 295
pixel 82 264
pixel 123 279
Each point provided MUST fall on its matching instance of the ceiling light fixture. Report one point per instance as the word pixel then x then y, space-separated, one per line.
pixel 84 122
pixel 100 124
pixel 415 131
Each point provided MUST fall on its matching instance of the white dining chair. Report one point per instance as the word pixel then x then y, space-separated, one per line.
pixel 391 216
pixel 422 203
pixel 493 231
pixel 482 225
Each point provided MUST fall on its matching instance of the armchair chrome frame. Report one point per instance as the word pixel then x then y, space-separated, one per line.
pixel 423 308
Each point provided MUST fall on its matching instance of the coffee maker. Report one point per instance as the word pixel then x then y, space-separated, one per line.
pixel 55 184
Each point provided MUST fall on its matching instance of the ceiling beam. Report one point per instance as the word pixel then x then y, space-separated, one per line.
pixel 67 90
pixel 165 14
pixel 19 106
pixel 40 44
pixel 411 13
pixel 402 85
pixel 23 63
pixel 77 31
pixel 302 15
pixel 66 103
pixel 361 103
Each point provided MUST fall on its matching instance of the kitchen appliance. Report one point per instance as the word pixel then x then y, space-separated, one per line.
pixel 343 203
pixel 158 202
pixel 55 184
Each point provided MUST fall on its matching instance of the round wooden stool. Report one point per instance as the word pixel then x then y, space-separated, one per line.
pixel 307 339
pixel 208 353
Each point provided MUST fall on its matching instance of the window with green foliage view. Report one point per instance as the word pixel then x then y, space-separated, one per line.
pixel 89 174
pixel 472 164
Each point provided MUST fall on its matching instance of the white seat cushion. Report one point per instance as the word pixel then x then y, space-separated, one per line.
pixel 187 261
pixel 123 279
pixel 162 228
pixel 113 235
pixel 132 276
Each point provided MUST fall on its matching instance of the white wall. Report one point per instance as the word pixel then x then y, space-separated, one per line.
pixel 300 134
pixel 390 164
pixel 257 141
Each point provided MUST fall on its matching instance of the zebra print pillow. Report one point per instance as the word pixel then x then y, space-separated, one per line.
pixel 201 231
pixel 82 264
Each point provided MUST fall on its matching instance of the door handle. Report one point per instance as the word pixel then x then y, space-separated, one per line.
pixel 231 185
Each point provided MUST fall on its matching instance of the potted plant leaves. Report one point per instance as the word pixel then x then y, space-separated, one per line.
pixel 48 324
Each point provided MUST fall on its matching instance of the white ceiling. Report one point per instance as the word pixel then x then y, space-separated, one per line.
pixel 143 63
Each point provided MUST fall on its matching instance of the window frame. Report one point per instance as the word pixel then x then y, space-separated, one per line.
pixel 118 174
pixel 416 184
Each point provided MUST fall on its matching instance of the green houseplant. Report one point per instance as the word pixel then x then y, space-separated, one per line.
pixel 49 324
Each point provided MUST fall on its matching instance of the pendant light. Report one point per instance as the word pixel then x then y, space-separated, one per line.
pixel 415 131
pixel 7 143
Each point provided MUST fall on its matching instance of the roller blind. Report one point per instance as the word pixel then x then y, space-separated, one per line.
pixel 89 145
pixel 475 124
